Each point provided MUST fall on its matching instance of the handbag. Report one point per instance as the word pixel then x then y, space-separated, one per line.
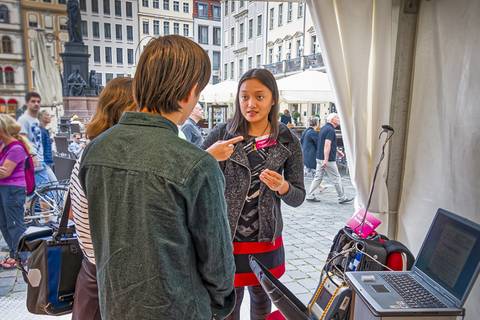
pixel 53 266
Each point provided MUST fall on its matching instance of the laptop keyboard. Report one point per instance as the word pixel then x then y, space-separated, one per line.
pixel 414 294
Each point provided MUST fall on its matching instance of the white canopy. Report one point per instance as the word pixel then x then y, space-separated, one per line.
pixel 306 86
pixel 223 92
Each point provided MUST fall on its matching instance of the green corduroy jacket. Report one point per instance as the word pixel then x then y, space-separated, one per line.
pixel 158 223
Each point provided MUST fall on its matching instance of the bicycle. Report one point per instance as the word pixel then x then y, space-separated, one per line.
pixel 45 205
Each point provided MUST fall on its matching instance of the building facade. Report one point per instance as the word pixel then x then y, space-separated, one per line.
pixel 49 18
pixel 164 17
pixel 110 30
pixel 244 37
pixel 207 31
pixel 291 42
pixel 13 84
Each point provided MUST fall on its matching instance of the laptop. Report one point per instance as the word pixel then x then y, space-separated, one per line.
pixel 441 278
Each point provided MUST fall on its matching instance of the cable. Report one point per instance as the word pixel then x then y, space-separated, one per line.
pixel 372 258
pixel 389 131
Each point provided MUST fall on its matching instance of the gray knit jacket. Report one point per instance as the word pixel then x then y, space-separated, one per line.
pixel 285 157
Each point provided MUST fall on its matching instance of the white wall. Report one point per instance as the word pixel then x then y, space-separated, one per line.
pixel 442 166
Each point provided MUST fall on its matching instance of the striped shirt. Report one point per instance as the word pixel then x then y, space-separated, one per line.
pixel 80 214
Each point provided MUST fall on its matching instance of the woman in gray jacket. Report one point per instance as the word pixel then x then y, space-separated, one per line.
pixel 266 166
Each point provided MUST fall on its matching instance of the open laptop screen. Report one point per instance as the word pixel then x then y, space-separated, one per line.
pixel 450 254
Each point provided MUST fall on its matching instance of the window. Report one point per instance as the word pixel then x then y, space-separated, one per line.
pixel 300 10
pixel 106 6
pixel 119 56
pixel 279 54
pixel 4 16
pixel 6 44
pixel 240 67
pixel 95 29
pixel 242 3
pixel 202 10
pixel 280 14
pixel 145 27
pixel 203 34
pixel 259 60
pixel 84 28
pixel 259 25
pixel 314 44
pixel 232 6
pixel 107 30
pixel 118 8
pixel 225 37
pixel 145 3
pixel 120 75
pixel 289 12
pixel 217 36
pixel 225 71
pixel 250 63
pixel 129 9
pixel 226 10
pixel 96 54
pixel 232 36
pixel 118 31
pixel 130 56
pixel 250 29
pixel 98 78
pixel 166 28
pixel 272 12
pixel 242 33
pixel 216 12
pixel 1 75
pixel 156 4
pixel 186 30
pixel 232 70
pixel 176 28
pixel 95 6
pixel 108 55
pixel 32 21
pixel 83 5
pixel 9 75
pixel 48 22
pixel 166 4
pixel 186 7
pixel 63 23
pixel 108 77
pixel 176 6
pixel 270 55
pixel 129 33
pixel 156 27
pixel 216 60
pixel 299 48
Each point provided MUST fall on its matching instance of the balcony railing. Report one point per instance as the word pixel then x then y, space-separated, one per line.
pixel 296 64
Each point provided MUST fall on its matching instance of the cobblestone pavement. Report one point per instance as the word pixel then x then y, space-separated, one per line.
pixel 308 233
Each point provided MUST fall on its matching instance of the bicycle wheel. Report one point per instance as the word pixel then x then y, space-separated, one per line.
pixel 46 205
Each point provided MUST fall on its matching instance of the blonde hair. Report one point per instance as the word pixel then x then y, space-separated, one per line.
pixel 12 128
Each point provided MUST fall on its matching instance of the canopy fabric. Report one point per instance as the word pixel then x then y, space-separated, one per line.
pixel 47 75
pixel 358 46
pixel 307 86
pixel 220 93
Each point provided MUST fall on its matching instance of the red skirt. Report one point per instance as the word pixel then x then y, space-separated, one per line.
pixel 270 254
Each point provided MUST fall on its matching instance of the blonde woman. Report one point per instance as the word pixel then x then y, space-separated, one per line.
pixel 13 155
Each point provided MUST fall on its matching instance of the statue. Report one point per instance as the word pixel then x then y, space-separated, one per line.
pixel 76 84
pixel 92 82
pixel 74 21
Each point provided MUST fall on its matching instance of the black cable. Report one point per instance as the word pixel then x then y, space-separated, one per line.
pixel 389 131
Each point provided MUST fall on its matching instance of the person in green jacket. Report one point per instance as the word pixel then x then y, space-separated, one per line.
pixel 157 208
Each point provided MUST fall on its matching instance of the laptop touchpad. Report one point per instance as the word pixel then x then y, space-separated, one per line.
pixel 380 288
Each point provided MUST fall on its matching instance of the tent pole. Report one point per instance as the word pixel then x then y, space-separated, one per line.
pixel 400 107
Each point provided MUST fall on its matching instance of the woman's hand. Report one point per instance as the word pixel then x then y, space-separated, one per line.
pixel 274 181
pixel 223 149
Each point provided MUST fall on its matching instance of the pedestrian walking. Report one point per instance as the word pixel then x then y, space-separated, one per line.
pixel 115 99
pixel 156 203
pixel 263 168
pixel 326 161
pixel 45 118
pixel 12 185
pixel 309 140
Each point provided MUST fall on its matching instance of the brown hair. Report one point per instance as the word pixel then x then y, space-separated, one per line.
pixel 168 69
pixel 31 94
pixel 239 125
pixel 115 99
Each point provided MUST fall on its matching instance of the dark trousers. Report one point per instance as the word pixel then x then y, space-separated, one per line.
pixel 85 303
pixel 260 304
pixel 12 225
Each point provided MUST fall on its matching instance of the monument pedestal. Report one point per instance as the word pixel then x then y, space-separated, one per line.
pixel 83 107
pixel 74 58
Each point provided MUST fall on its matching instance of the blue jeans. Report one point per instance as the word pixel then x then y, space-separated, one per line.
pixel 44 175
pixel 12 226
